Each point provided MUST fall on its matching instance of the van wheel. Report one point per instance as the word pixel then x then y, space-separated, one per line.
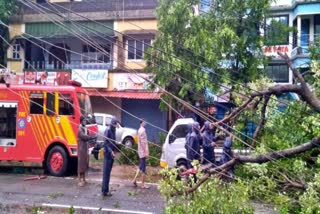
pixel 128 142
pixel 182 163
pixel 57 161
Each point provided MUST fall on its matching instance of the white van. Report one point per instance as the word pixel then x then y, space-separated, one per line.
pixel 173 150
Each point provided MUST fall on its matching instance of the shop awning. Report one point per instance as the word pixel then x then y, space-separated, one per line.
pixel 127 94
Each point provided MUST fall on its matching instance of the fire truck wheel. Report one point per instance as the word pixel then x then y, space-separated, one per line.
pixel 57 161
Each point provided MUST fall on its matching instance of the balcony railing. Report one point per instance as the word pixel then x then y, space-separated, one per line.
pixel 305 41
pixel 73 64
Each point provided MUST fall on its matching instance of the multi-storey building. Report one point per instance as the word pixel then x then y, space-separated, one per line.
pixel 304 17
pixel 98 43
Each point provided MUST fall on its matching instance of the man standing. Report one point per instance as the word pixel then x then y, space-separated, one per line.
pixel 227 155
pixel 208 144
pixel 83 158
pixel 193 151
pixel 143 152
pixel 109 147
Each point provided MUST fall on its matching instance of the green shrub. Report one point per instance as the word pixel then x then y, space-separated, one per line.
pixel 129 155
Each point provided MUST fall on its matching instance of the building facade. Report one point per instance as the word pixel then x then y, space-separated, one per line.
pixel 100 44
pixel 304 17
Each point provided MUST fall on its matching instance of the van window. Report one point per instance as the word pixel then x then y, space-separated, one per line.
pixel 108 121
pixel 99 120
pixel 180 131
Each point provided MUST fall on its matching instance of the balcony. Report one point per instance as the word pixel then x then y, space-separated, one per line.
pixel 305 41
pixel 73 64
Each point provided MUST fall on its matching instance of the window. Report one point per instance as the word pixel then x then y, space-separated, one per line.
pixel 275 34
pixel 99 120
pixel 36 103
pixel 137 48
pixel 84 104
pixel 65 104
pixel 108 121
pixel 278 72
pixel 101 54
pixel 8 118
pixel 16 51
pixel 50 104
pixel 180 131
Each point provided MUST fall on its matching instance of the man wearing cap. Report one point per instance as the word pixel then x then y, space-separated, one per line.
pixel 109 148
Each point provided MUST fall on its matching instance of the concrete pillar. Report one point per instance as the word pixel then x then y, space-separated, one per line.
pixel 299 31
pixel 311 36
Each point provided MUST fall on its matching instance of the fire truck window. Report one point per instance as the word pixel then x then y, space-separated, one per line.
pixel 36 105
pixel 65 104
pixel 8 114
pixel 50 104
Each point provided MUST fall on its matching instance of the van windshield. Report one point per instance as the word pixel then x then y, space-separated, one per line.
pixel 84 104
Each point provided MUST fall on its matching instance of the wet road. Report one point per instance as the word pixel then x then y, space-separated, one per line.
pixel 15 193
pixel 57 195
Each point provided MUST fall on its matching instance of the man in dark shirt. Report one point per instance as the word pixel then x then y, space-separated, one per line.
pixel 109 147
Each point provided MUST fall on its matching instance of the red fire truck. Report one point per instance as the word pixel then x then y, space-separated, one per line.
pixel 39 125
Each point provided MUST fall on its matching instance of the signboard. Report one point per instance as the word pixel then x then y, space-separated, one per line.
pixel 273 50
pixel 17 78
pixel 47 78
pixel 91 78
pixel 127 81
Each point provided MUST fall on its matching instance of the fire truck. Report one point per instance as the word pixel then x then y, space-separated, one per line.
pixel 39 125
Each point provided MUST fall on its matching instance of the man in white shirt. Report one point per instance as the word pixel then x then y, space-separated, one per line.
pixel 143 152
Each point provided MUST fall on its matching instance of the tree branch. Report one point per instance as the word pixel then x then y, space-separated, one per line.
pixel 234 113
pixel 277 90
pixel 262 120
pixel 294 184
pixel 260 159
pixel 306 94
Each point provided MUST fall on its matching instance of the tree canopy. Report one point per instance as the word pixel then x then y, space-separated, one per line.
pixel 224 46
pixel 7 8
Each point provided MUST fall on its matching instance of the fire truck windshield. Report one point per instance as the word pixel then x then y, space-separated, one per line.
pixel 84 104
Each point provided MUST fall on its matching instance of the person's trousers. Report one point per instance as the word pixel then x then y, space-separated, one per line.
pixel 107 166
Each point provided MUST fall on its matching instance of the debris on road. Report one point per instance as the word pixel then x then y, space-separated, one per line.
pixel 35 178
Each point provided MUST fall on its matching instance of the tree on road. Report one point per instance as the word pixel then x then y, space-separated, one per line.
pixel 223 46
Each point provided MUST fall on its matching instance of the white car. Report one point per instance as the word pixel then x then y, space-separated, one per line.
pixel 125 136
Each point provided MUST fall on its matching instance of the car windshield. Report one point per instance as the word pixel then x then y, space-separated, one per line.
pixel 84 104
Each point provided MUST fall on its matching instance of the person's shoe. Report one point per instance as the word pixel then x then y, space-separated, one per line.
pixel 106 194
pixel 135 184
pixel 81 184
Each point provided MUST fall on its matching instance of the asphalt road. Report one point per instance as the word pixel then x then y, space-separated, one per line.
pixel 57 195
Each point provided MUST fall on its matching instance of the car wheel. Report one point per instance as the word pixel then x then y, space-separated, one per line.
pixel 57 161
pixel 128 142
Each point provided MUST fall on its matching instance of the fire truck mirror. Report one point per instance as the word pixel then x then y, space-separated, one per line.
pixel 50 104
